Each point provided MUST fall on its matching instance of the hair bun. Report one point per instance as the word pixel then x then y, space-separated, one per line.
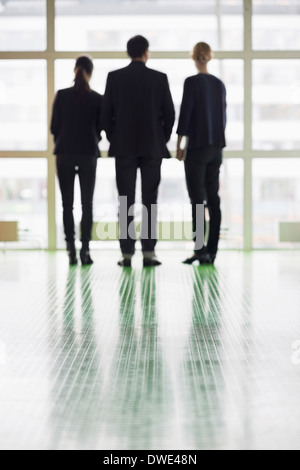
pixel 202 52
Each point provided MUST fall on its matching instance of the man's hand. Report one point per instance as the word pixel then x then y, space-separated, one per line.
pixel 180 154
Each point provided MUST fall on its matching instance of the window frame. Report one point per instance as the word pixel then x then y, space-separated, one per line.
pixel 247 54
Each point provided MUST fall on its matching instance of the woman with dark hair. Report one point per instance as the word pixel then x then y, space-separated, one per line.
pixel 76 126
pixel 203 121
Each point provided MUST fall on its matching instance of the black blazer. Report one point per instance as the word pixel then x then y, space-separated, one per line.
pixel 76 123
pixel 203 111
pixel 139 113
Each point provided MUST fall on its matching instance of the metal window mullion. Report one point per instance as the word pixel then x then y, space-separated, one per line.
pixel 51 174
pixel 248 229
pixel 242 54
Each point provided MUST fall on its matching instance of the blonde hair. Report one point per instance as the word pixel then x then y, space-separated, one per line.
pixel 202 53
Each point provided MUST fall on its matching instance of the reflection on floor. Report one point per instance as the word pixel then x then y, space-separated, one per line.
pixel 173 358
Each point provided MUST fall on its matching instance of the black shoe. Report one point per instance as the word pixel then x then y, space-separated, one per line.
pixel 213 258
pixel 85 257
pixel 191 260
pixel 207 259
pixel 73 261
pixel 151 262
pixel 125 263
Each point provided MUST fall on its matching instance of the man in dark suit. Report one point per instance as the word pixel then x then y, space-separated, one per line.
pixel 138 119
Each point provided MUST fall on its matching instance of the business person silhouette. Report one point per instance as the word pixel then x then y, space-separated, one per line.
pixel 76 126
pixel 204 385
pixel 136 382
pixel 203 121
pixel 75 366
pixel 138 119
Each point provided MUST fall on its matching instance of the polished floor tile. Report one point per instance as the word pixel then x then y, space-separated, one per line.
pixel 172 358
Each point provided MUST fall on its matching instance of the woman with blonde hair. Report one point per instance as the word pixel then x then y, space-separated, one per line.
pixel 203 121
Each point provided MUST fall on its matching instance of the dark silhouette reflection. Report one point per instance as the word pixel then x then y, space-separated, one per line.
pixel 143 375
pixel 248 388
pixel 75 372
pixel 136 395
pixel 202 363
pixel 218 364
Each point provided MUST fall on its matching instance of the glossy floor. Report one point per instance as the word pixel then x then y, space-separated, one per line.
pixel 173 358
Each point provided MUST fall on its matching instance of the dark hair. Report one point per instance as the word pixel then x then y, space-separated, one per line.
pixel 83 64
pixel 137 46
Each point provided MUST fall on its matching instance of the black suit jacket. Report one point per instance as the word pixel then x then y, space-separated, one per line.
pixel 139 113
pixel 203 111
pixel 76 123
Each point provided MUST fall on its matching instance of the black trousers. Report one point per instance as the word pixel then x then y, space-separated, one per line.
pixel 67 169
pixel 202 169
pixel 126 173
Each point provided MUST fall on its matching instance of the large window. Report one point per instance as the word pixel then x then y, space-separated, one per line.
pixel 276 100
pixel 276 198
pixel 23 199
pixel 276 24
pixel 23 105
pixel 257 50
pixel 169 24
pixel 23 25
